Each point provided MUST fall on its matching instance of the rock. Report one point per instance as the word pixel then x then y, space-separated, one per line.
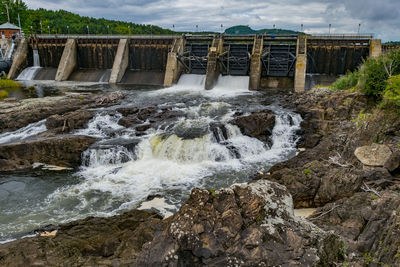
pixel 247 225
pixel 373 155
pixel 368 224
pixel 60 151
pixel 70 121
pixel 112 241
pixel 258 124
pixel 393 163
pixel 15 115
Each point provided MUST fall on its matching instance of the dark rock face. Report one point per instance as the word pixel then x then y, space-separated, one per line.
pixel 246 225
pixel 69 122
pixel 368 224
pixel 393 163
pixel 144 118
pixel 60 151
pixel 258 124
pixel 16 115
pixel 110 241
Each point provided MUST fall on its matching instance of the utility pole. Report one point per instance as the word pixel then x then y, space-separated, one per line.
pixel 8 14
pixel 19 24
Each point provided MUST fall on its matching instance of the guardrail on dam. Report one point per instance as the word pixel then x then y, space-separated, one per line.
pixel 279 61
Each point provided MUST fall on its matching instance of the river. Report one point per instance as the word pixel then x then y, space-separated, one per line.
pixel 155 170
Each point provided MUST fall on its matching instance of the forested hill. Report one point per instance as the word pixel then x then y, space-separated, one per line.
pixel 61 21
pixel 242 29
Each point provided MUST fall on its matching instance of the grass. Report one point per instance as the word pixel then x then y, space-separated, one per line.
pixel 7 84
pixel 347 81
pixel 3 94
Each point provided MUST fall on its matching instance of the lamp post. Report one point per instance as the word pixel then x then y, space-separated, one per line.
pixel 48 27
pixel 129 30
pixel 87 27
pixel 197 28
pixel 108 29
pixel 359 27
pixel 31 30
pixel 68 29
pixel 302 26
pixel 41 27
pixel 221 27
pixel 330 25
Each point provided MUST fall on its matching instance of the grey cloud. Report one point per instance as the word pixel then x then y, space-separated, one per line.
pixel 380 17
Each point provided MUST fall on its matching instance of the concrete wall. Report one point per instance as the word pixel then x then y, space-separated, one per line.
pixel 276 82
pixel 255 64
pixel 301 64
pixel 174 67
pixel 20 60
pixel 375 49
pixel 68 62
pixel 213 68
pixel 121 61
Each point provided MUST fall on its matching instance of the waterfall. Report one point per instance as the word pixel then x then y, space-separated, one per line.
pixel 23 133
pixel 36 59
pixel 29 73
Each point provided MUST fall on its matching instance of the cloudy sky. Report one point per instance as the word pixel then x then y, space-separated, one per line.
pixel 381 17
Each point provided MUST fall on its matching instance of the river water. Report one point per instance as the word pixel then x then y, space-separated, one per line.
pixel 124 168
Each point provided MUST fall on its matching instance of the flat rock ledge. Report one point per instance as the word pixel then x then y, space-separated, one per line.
pixel 374 155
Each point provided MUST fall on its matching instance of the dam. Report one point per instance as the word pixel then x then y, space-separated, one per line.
pixel 270 61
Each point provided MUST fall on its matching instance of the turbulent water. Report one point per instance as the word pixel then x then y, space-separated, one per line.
pixel 200 147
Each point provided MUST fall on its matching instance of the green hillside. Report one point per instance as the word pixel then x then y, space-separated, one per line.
pixel 62 22
pixel 242 29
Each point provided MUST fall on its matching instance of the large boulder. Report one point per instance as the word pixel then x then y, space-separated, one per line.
pixel 258 124
pixel 374 155
pixel 70 121
pixel 368 224
pixel 62 151
pixel 393 163
pixel 247 225
pixel 113 241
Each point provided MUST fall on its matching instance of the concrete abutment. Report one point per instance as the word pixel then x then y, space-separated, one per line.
pixel 174 68
pixel 121 61
pixel 20 60
pixel 255 64
pixel 301 64
pixel 68 62
pixel 213 67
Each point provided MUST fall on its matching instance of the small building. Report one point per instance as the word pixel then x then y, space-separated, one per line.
pixel 7 30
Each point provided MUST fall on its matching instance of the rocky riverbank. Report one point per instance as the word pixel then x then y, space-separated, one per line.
pixel 356 195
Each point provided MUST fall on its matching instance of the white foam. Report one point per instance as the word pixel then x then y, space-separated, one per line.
pixel 28 74
pixel 101 125
pixel 23 133
pixel 226 87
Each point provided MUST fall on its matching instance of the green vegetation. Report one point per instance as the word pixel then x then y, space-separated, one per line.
pixel 392 43
pixel 212 192
pixel 361 119
pixel 242 29
pixel 378 78
pixel 392 92
pixel 9 84
pixel 3 94
pixel 64 22
pixel 347 81
pixel 307 171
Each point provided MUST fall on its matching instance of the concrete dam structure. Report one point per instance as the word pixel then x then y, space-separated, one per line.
pixel 281 61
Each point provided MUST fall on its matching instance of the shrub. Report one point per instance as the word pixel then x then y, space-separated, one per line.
pixel 347 81
pixel 392 91
pixel 373 77
pixel 3 94
pixel 5 84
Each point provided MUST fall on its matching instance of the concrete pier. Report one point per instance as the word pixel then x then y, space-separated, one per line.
pixel 121 61
pixel 213 68
pixel 20 60
pixel 301 64
pixel 68 62
pixel 174 67
pixel 255 64
pixel 375 48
